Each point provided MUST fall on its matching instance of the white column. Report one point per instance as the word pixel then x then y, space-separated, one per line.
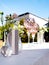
pixel 15 41
pixel 40 37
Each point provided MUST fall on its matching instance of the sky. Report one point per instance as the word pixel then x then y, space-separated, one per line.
pixel 37 7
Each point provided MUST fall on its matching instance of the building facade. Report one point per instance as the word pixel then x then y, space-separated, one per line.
pixel 40 21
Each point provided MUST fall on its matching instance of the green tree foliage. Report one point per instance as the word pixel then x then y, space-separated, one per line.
pixel 8 25
pixel 48 26
pixel 46 34
pixel 1 32
pixel 1 15
pixel 1 27
pixel 9 22
pixel 22 21
pixel 23 34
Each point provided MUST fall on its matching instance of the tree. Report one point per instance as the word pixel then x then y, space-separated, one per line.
pixel 1 27
pixel 46 34
pixel 22 21
pixel 9 23
pixel 1 13
pixel 48 25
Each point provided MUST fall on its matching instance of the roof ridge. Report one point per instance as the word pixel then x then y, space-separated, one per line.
pixel 32 14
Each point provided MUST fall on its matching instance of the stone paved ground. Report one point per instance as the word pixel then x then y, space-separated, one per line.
pixel 26 57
